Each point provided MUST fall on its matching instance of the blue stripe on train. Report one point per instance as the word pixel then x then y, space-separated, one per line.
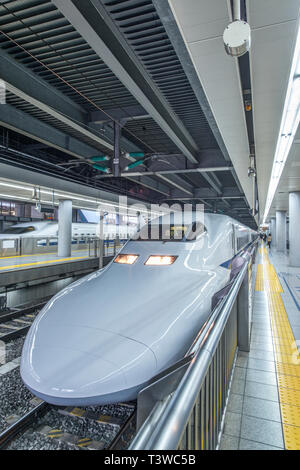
pixel 227 264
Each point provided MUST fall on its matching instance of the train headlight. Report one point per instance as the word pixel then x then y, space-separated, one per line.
pixel 157 260
pixel 126 259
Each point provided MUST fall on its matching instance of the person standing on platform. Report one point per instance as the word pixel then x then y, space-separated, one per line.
pixel 269 240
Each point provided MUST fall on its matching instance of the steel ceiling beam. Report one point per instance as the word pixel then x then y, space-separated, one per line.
pixel 126 144
pixel 167 18
pixel 21 77
pixel 226 203
pixel 212 183
pixel 127 112
pixel 26 85
pixel 33 89
pixel 21 122
pixel 210 194
pixel 173 171
pixel 183 171
pixel 151 184
pixel 94 24
pixel 178 183
pixel 199 195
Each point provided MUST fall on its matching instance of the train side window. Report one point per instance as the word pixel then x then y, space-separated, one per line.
pixel 19 230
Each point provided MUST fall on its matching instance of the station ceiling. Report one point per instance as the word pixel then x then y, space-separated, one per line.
pixel 274 27
pixel 76 69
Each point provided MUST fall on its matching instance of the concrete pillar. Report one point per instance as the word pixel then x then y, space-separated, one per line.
pixel 273 231
pixel 64 228
pixel 294 223
pixel 281 231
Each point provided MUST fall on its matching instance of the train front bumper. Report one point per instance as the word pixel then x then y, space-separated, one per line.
pixel 83 366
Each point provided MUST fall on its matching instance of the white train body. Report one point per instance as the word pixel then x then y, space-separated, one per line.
pixel 79 230
pixel 102 339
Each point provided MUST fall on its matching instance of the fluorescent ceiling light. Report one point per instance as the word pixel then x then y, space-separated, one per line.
pixel 6 196
pixel 288 127
pixel 9 185
pixel 70 196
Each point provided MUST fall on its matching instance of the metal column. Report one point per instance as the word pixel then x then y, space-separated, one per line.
pixel 273 231
pixel 294 222
pixel 64 228
pixel 116 160
pixel 281 231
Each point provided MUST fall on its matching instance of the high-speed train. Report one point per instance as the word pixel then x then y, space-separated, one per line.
pixel 79 230
pixel 101 339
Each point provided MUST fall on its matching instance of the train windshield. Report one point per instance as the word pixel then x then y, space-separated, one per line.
pixel 172 232
pixel 18 230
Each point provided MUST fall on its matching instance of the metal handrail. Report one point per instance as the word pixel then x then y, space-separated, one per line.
pixel 166 424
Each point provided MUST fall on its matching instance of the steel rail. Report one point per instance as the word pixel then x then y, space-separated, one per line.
pixel 20 312
pixel 22 424
pixel 14 315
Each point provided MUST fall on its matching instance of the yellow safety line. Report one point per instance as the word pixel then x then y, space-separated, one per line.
pixel 37 254
pixel 42 262
pixel 286 353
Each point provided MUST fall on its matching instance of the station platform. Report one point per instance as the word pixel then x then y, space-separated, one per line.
pixel 263 411
pixel 8 263
pixel 23 271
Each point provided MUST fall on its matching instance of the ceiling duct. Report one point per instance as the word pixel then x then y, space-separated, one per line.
pixel 237 35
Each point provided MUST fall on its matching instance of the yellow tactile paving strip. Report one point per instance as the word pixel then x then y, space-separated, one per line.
pixel 287 357
pixel 37 263
pixel 259 285
pixel 37 254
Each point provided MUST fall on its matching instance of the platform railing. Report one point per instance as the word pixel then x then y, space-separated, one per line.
pixel 192 416
pixel 40 245
pixel 106 247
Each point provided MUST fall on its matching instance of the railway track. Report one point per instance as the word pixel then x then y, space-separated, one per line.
pixel 17 322
pixel 29 423
pixel 47 427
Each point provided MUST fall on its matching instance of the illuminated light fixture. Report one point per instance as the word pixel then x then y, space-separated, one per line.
pixel 288 127
pixel 126 259
pixel 134 164
pixel 237 35
pixel 73 196
pixel 7 196
pixel 104 169
pixel 100 158
pixel 160 260
pixel 9 185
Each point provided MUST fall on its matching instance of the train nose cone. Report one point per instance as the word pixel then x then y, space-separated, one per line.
pixel 84 366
